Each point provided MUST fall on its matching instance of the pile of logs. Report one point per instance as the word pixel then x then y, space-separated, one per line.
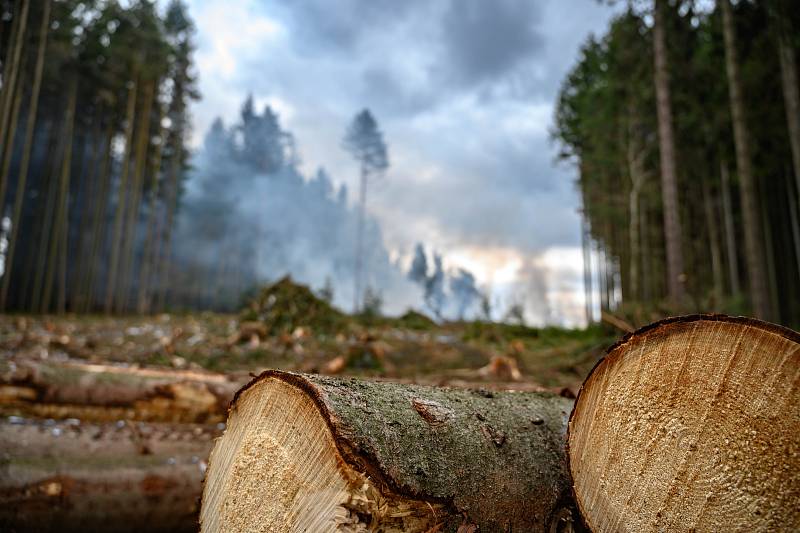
pixel 690 424
pixel 91 447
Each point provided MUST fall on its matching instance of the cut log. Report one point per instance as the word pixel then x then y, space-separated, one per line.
pixel 74 476
pixel 59 390
pixel 691 424
pixel 313 453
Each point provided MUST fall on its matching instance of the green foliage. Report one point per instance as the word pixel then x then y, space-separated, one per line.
pixel 365 143
pixel 285 306
pixel 497 332
pixel 415 320
pixel 606 116
pixel 110 50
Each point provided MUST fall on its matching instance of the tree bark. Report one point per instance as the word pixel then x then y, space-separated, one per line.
pixel 669 175
pixel 26 157
pixel 311 453
pixel 753 234
pixel 129 240
pixel 75 476
pixel 111 280
pixel 148 260
pixel 8 145
pixel 690 424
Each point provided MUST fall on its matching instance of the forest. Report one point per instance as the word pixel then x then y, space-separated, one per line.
pixel 200 332
pixel 683 125
pixel 691 203
pixel 94 155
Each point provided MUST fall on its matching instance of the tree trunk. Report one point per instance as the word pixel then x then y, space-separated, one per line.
pixel 310 453
pixel 648 291
pixel 691 424
pixel 165 242
pixel 10 80
pixel 58 238
pixel 148 260
pixel 769 263
pixel 586 242
pixel 730 231
pixel 359 259
pixel 98 226
pixel 791 98
pixel 636 171
pixel 111 281
pixel 101 393
pixel 8 145
pixel 8 63
pixel 46 229
pixel 19 197
pixel 90 176
pixel 795 229
pixel 129 240
pixel 74 476
pixel 713 238
pixel 669 175
pixel 753 234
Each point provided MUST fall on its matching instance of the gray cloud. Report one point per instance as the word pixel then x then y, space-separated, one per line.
pixel 485 40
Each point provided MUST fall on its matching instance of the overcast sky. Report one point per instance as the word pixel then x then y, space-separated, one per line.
pixel 463 91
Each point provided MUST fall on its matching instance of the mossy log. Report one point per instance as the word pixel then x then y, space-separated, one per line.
pixel 97 392
pixel 691 424
pixel 313 453
pixel 74 476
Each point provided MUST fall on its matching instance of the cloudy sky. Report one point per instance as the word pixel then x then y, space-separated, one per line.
pixel 463 91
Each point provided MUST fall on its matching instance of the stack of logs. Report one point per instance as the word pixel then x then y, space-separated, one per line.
pixel 90 447
pixel 692 423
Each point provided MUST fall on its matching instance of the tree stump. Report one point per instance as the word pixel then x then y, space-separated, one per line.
pixel 691 424
pixel 312 453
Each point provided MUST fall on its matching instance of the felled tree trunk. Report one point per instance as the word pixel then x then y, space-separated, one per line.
pixel 313 453
pixel 691 424
pixel 74 476
pixel 108 393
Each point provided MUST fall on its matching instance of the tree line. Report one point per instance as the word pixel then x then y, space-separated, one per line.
pixel 684 125
pixel 93 133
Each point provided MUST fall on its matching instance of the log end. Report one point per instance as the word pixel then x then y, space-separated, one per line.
pixel 691 424
pixel 277 468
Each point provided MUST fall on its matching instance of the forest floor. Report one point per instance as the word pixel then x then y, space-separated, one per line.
pixel 126 408
pixel 458 354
